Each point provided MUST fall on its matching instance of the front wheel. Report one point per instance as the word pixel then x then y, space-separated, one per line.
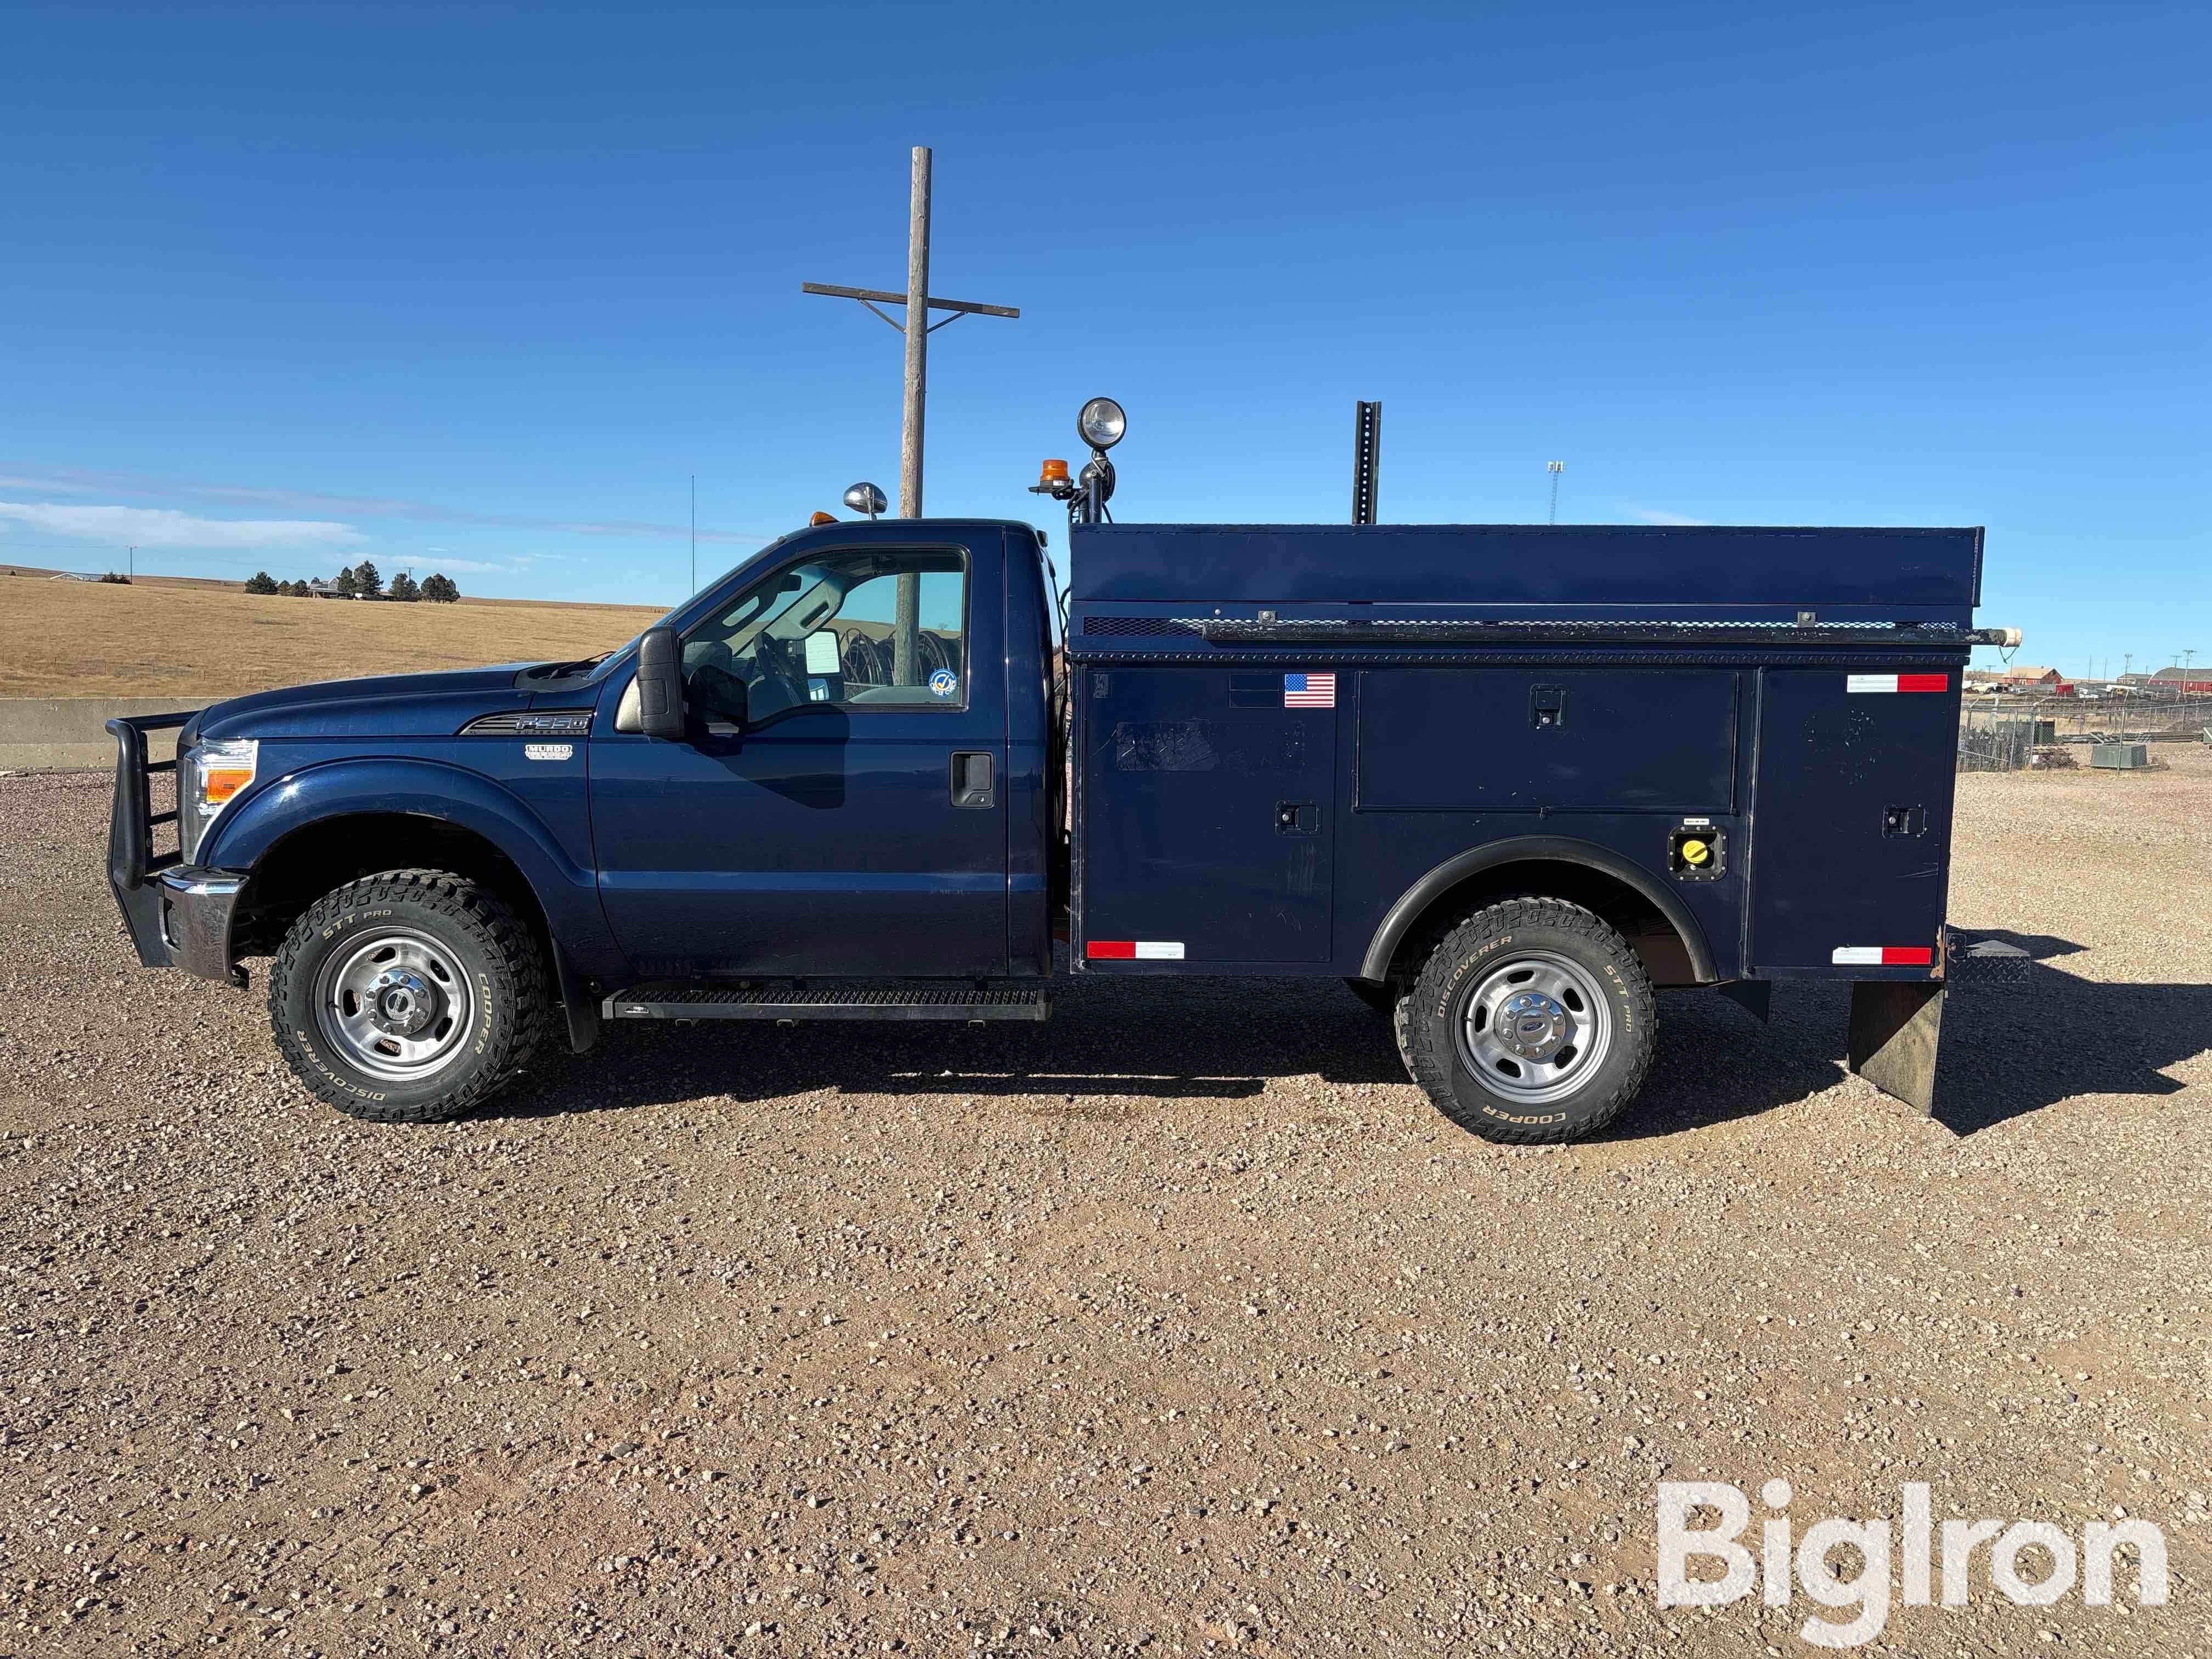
pixel 408 997
pixel 1531 1022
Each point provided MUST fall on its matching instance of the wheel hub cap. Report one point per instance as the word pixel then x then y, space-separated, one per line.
pixel 402 1003
pixel 1532 1026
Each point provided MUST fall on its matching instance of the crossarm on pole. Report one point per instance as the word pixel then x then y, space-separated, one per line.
pixel 890 299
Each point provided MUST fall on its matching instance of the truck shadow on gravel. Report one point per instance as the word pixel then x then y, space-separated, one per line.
pixel 1115 1048
pixel 2011 1050
pixel 2006 1050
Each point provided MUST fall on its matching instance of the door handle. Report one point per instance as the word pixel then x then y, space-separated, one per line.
pixel 975 778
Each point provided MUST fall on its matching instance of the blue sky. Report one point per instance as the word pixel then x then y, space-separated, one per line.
pixel 479 288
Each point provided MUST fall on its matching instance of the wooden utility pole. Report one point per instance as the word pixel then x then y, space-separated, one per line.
pixel 919 302
pixel 917 339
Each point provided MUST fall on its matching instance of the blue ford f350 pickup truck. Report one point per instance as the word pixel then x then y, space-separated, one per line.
pixel 1503 780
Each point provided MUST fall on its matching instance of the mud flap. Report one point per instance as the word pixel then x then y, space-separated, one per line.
pixel 580 1006
pixel 1896 1027
pixel 1755 996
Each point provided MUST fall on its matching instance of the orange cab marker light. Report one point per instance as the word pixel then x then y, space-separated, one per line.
pixel 219 786
pixel 823 518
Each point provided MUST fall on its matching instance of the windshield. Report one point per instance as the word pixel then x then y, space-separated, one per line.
pixel 563 670
pixel 669 619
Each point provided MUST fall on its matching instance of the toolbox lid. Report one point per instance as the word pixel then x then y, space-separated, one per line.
pixel 1514 565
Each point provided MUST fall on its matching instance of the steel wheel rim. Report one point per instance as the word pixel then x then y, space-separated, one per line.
pixel 396 1005
pixel 1536 1028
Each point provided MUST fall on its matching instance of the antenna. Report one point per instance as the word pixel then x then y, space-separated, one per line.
pixel 695 533
pixel 1554 468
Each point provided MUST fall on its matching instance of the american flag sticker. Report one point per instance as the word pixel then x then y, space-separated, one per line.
pixel 1308 690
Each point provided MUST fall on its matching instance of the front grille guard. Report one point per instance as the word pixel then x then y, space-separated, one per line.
pixel 131 860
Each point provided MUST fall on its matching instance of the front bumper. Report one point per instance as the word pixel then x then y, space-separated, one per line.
pixel 177 915
pixel 180 917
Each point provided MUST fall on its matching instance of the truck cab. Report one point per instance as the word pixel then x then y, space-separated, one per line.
pixel 859 785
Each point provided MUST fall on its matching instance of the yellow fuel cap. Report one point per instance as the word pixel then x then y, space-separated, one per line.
pixel 1695 852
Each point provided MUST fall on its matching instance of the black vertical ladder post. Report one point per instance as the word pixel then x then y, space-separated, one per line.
pixel 1366 457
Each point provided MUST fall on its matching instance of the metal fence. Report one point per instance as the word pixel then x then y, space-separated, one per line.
pixel 2015 734
pixel 1991 742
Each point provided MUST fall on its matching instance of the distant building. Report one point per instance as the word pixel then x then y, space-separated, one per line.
pixel 323 590
pixel 2191 682
pixel 2027 677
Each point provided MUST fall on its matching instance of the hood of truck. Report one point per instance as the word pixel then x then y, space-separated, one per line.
pixel 386 705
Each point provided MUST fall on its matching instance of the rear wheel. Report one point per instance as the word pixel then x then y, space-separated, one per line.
pixel 408 997
pixel 1532 1021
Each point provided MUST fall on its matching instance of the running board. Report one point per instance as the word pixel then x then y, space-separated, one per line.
pixel 828 1002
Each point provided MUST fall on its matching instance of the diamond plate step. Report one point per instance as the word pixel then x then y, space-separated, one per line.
pixel 827 1002
pixel 1975 963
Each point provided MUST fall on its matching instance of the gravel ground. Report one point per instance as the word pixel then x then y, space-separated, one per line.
pixel 1180 1323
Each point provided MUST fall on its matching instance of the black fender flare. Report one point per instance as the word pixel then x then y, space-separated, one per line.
pixel 1525 849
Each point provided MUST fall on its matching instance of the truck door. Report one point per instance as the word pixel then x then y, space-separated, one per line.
pixel 1852 831
pixel 855 824
pixel 1207 814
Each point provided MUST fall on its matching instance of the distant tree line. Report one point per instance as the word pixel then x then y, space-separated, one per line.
pixel 365 582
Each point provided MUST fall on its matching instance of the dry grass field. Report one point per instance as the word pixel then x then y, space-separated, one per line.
pixel 156 638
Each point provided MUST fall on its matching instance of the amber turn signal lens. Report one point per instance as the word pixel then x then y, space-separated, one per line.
pixel 219 784
pixel 1054 472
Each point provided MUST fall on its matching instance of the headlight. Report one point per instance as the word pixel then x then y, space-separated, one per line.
pixel 213 775
pixel 1101 423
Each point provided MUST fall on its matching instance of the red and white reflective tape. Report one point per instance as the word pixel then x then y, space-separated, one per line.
pixel 1133 950
pixel 1897 682
pixel 1883 956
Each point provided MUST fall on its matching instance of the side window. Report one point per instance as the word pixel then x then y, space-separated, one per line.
pixel 863 630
